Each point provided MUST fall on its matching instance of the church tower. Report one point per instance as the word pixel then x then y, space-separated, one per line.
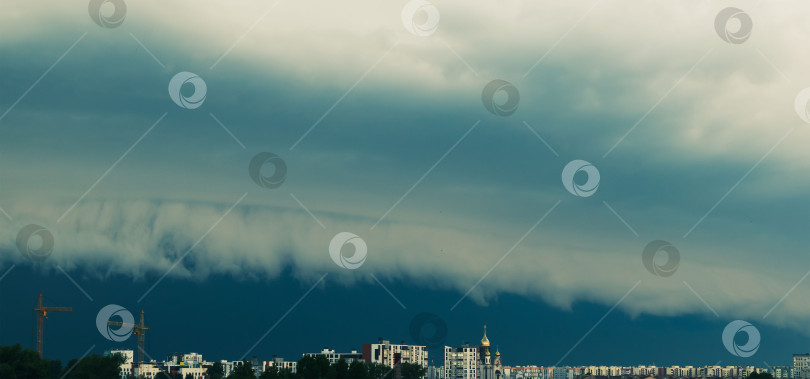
pixel 489 367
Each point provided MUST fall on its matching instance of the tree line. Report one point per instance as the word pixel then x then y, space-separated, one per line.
pixel 19 363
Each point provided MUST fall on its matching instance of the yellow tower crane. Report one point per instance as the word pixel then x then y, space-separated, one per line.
pixel 42 314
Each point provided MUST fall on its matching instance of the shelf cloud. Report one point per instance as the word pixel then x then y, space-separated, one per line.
pixel 693 139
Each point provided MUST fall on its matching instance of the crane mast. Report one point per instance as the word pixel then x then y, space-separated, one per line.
pixel 42 314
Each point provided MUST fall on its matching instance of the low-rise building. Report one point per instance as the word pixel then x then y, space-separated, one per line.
pixel 334 357
pixel 781 372
pixel 280 364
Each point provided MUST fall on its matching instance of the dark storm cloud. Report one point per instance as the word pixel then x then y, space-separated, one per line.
pixel 421 98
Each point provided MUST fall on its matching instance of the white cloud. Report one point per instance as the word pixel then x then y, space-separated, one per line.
pixel 138 238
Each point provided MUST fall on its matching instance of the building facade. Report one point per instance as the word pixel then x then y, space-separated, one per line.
pixel 801 365
pixel 334 357
pixel 781 371
pixel 281 364
pixel 461 362
pixel 388 354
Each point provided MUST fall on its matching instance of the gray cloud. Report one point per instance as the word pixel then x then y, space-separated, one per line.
pixel 296 63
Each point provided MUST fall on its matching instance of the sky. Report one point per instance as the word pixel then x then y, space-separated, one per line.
pixel 502 163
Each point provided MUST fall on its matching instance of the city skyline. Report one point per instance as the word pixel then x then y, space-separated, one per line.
pixel 462 362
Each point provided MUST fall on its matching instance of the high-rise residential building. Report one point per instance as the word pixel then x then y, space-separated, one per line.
pixel 461 362
pixel 388 354
pixel 801 365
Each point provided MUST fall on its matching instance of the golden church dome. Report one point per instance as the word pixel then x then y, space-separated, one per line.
pixel 485 340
